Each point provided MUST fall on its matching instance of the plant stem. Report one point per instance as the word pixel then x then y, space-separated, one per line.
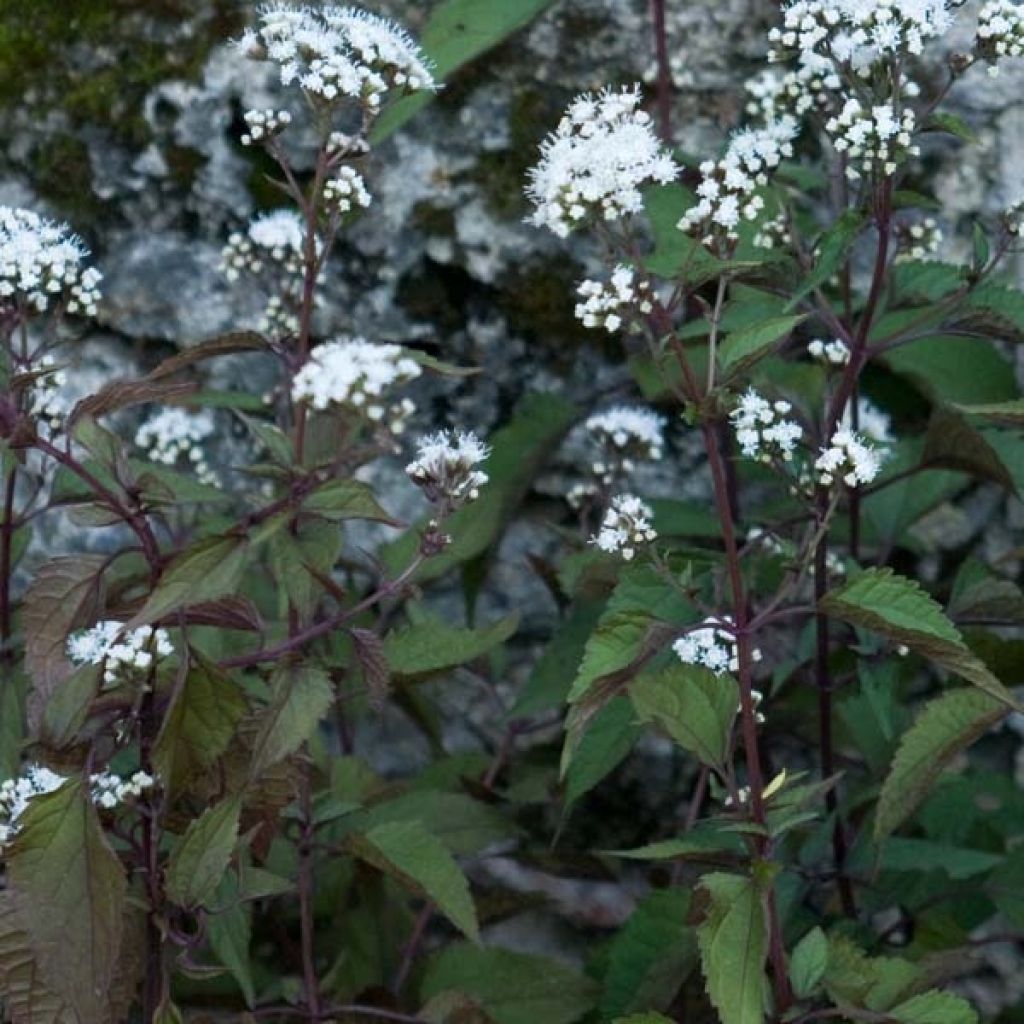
pixel 6 568
pixel 306 890
pixel 664 71
pixel 412 948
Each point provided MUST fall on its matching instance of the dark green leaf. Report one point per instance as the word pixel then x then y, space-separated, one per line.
pixel 199 860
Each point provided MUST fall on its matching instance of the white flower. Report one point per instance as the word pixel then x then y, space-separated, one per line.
pixel 264 125
pixel 356 374
pixel 850 458
pixel 608 303
pixel 175 433
pixel 728 190
pixel 875 140
pixel 48 404
pixel 123 653
pixel 626 527
pixel 762 431
pixel 445 467
pixel 596 162
pixel 919 240
pixel 713 645
pixel 41 262
pixel 346 191
pixel 338 53
pixel 872 422
pixel 1000 31
pixel 625 434
pixel 835 352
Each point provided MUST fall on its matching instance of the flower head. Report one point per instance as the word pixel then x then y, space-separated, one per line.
pixel 849 457
pixel 762 430
pixel 42 262
pixel 626 527
pixel 445 467
pixel 611 303
pixel 125 654
pixel 175 434
pixel 596 162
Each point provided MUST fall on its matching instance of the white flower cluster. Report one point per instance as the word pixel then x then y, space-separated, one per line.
pixel 264 124
pixel 47 403
pixel 774 94
pixel 835 352
pixel 774 232
pixel 355 373
pixel 872 422
pixel 876 138
pixel 175 433
pixel 41 260
pixel 727 191
pixel 347 191
pixel 122 653
pixel 762 430
pixel 445 467
pixel 626 526
pixel 858 32
pixel 609 303
pixel 106 790
pixel 625 434
pixel 276 237
pixel 1000 31
pixel 918 241
pixel 848 457
pixel 713 645
pixel 596 162
pixel 338 53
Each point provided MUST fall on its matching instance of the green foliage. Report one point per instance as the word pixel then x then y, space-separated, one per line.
pixel 199 860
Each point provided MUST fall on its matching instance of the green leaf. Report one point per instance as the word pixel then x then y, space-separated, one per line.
pixel 643 1018
pixel 418 859
pixel 199 860
pixel 952 443
pixel 198 726
pixel 676 254
pixel 298 556
pixel 920 855
pixel 700 843
pixel 518 451
pixel 229 932
pixel 831 252
pixel 926 279
pixel 608 740
pixel 733 942
pixel 876 983
pixel 301 696
pixel 210 569
pixel 71 890
pixel 693 705
pixel 339 500
pixel 68 707
pixel 513 988
pixel 946 726
pixel 898 608
pixel 741 349
pixel 650 956
pixel 1007 414
pixel 66 593
pixel 457 32
pixel 808 962
pixel 954 370
pixel 934 1008
pixel 1006 887
pixel 951 124
pixel 431 645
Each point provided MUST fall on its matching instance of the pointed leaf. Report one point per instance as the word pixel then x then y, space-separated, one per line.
pixel 302 695
pixel 198 862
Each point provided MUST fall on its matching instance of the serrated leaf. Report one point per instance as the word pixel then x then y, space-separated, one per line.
pixel 876 983
pixel 513 988
pixel 948 369
pixel 210 569
pixel 65 594
pixel 72 888
pixel 339 500
pixel 123 394
pixel 742 348
pixel 419 859
pixel 693 705
pixel 609 738
pixel 808 962
pixel 198 862
pixel 951 124
pixel 921 855
pixel 198 726
pixel 733 942
pixel 831 251
pixel 952 443
pixel 431 645
pixel 897 607
pixel 301 696
pixel 650 956
pixel 229 932
pixel 222 345
pixel 946 726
